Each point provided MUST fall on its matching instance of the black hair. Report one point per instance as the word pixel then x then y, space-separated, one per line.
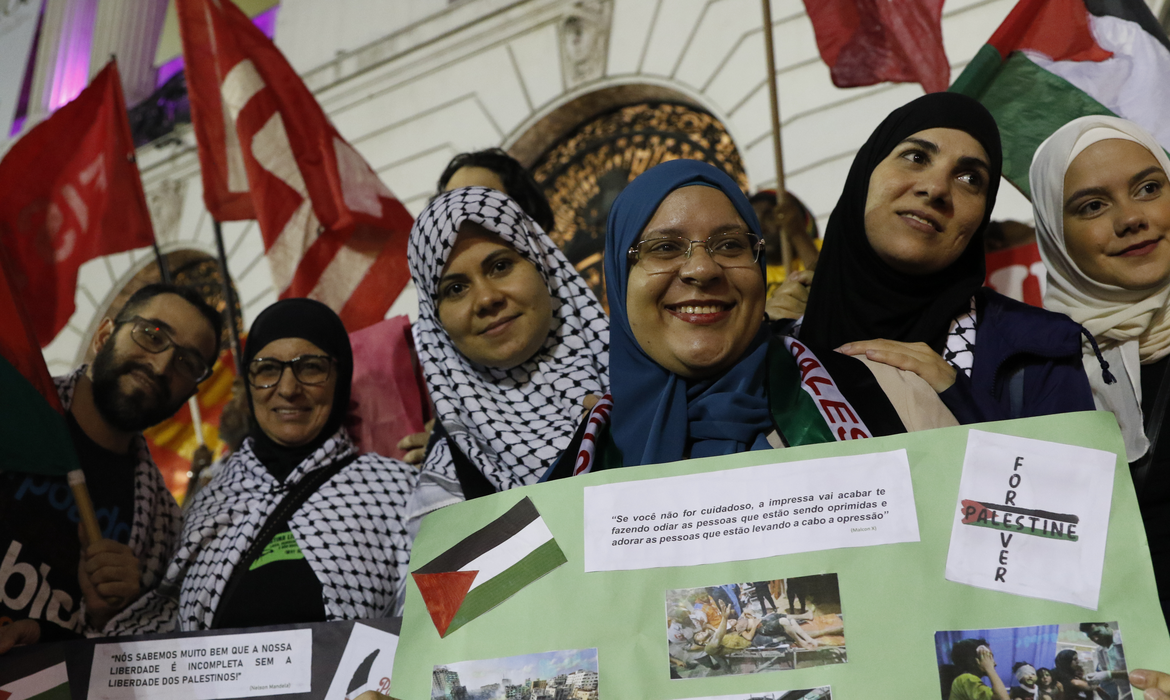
pixel 765 196
pixel 965 654
pixel 769 197
pixel 1087 627
pixel 139 299
pixel 518 182
pixel 1016 666
pixel 1044 669
pixel 1064 660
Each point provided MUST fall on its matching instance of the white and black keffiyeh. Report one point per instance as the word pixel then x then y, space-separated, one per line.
pixel 350 530
pixel 512 424
pixel 157 517
pixel 960 347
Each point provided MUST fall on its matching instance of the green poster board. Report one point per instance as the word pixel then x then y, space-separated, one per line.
pixel 894 597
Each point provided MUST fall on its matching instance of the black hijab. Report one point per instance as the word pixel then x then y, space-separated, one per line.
pixel 855 296
pixel 317 323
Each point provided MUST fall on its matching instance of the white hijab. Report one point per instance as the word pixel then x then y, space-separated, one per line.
pixel 1131 327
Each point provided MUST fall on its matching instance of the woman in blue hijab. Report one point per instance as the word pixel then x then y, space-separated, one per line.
pixel 694 371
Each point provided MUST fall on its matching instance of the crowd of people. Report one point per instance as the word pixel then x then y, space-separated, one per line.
pixel 531 381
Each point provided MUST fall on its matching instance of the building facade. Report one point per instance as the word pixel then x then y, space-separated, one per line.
pixel 410 83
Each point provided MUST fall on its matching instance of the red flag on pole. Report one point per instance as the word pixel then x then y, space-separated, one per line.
pixel 70 192
pixel 872 41
pixel 33 435
pixel 332 230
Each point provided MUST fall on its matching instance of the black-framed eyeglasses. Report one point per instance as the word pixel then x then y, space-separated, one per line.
pixel 668 253
pixel 153 338
pixel 311 370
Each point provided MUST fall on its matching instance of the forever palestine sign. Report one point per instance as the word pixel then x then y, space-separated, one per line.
pixel 1032 518
pixel 204 668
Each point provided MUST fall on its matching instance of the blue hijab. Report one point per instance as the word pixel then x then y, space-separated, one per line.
pixel 656 413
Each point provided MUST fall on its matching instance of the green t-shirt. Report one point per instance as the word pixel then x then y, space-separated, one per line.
pixel 968 687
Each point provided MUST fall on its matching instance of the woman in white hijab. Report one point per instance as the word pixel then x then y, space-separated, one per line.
pixel 1102 203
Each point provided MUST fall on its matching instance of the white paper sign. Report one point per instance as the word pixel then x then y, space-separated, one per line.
pixel 1031 518
pixel 750 513
pixel 203 668
pixel 365 665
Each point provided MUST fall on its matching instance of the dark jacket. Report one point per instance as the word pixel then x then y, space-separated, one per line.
pixel 1022 350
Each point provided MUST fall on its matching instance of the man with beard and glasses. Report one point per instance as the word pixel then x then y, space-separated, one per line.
pixel 148 361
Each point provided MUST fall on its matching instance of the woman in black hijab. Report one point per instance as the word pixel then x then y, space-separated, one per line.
pixel 900 277
pixel 316 529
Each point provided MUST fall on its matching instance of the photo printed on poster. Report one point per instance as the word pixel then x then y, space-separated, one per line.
pixel 571 673
pixel 1045 662
pixel 822 693
pixel 742 628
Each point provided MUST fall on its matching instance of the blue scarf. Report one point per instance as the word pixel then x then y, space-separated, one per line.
pixel 657 413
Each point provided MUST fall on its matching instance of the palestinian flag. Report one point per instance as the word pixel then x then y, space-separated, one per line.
pixel 1052 61
pixel 49 684
pixel 34 437
pixel 487 567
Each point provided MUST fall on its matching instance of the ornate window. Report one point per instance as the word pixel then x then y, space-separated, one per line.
pixel 583 173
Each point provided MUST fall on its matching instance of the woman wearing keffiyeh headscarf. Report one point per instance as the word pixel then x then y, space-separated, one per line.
pixel 1102 202
pixel 695 371
pixel 900 276
pixel 259 544
pixel 513 346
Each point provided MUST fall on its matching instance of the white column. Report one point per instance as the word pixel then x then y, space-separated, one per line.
pixel 62 67
pixel 129 30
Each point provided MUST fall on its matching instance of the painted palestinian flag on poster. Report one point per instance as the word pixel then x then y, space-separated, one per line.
pixel 487 567
pixel 1052 61
pixel 50 684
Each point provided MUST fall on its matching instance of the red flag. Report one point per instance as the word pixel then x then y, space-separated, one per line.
pixel 70 192
pixel 33 435
pixel 871 41
pixel 332 230
pixel 1059 29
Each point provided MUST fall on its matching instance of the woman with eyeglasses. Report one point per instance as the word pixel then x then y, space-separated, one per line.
pixel 297 527
pixel 695 371
pixel 900 278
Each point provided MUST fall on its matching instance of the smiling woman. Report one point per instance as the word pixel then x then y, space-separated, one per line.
pixel 513 346
pixel 695 371
pixel 1102 201
pixel 900 277
pixel 251 550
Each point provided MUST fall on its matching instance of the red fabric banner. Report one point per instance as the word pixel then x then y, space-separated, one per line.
pixel 1018 273
pixel 1059 29
pixel 865 42
pixel 18 344
pixel 70 192
pixel 332 230
pixel 386 402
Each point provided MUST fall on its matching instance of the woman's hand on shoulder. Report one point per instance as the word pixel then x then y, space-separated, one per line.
pixel 791 298
pixel 918 358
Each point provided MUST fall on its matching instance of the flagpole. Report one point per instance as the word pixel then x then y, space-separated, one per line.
pixel 773 93
pixel 164 273
pixel 229 296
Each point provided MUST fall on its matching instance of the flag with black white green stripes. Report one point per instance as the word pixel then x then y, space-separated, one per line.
pixel 487 567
